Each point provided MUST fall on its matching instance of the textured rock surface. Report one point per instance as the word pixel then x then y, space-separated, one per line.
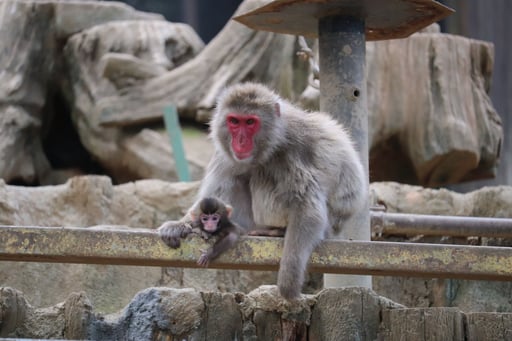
pixel 104 61
pixel 31 33
pixel 120 67
pixel 446 126
pixel 186 314
pixel 237 53
pixel 165 313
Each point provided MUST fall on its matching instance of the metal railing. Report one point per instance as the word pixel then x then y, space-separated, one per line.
pixel 132 246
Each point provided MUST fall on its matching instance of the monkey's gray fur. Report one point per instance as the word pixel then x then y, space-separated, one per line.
pixel 304 175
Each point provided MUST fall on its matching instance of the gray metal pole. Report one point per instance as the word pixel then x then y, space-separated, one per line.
pixel 342 51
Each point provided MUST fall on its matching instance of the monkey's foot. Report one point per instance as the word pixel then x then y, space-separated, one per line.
pixel 172 232
pixel 290 277
pixel 268 232
pixel 289 291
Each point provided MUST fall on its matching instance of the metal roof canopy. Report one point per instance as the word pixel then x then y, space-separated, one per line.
pixel 384 19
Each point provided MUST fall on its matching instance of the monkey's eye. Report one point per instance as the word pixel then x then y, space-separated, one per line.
pixel 250 121
pixel 233 120
pixel 215 217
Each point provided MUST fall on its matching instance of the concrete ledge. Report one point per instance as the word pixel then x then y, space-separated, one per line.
pixel 131 246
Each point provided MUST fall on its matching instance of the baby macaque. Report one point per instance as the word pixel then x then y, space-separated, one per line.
pixel 212 219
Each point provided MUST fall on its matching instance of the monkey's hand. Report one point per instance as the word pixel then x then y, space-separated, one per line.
pixel 204 259
pixel 172 232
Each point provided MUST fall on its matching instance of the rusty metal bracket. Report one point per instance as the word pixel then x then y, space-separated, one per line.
pixel 143 247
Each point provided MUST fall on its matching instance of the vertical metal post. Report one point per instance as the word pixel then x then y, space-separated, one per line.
pixel 342 51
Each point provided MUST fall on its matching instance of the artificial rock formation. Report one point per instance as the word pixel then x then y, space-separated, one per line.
pixel 445 129
pixel 114 71
pixel 431 120
pixel 110 75
pixel 108 60
pixel 236 54
pixel 187 314
pixel 30 35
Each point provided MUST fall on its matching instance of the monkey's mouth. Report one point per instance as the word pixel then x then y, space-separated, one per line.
pixel 242 155
pixel 210 228
pixel 242 148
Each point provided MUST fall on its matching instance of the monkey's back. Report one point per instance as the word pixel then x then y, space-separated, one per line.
pixel 321 143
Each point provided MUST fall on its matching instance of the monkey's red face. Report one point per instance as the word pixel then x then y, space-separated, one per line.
pixel 242 128
pixel 210 222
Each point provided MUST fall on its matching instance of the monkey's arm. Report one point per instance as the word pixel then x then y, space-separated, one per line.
pixel 223 244
pixel 172 232
pixel 306 228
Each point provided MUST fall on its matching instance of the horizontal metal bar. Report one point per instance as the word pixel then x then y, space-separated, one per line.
pixel 15 339
pixel 435 225
pixel 143 247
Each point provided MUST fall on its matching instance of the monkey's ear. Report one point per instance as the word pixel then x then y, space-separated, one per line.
pixel 192 216
pixel 229 209
pixel 278 109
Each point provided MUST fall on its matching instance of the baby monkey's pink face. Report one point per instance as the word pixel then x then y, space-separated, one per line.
pixel 210 222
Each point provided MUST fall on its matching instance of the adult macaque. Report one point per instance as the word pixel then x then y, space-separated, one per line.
pixel 280 167
pixel 211 217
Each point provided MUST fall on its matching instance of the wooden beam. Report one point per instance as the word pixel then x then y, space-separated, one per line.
pixel 131 246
